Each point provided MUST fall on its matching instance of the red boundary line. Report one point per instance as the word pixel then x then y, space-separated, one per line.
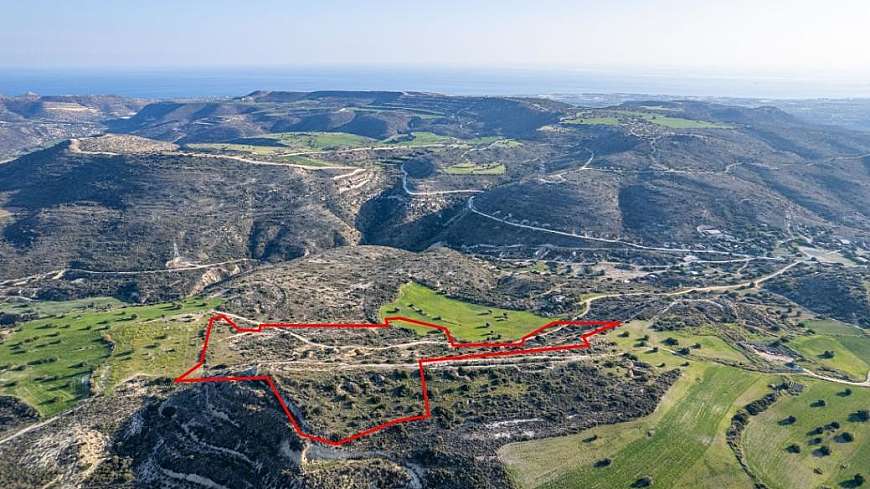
pixel 510 348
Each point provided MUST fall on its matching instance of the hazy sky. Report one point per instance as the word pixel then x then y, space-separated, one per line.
pixel 823 38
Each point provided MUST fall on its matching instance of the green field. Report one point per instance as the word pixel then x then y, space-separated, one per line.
pixel 468 322
pixel 277 153
pixel 249 149
pixel 851 347
pixel 290 142
pixel 322 141
pixel 475 169
pixel 711 346
pixel 51 308
pixel 49 362
pixel 680 123
pixel 421 138
pixel 832 327
pixel 425 138
pixel 766 438
pixel 703 344
pixel 682 444
pixel 675 122
pixel 601 121
pixel 162 347
pixel 854 339
pixel 616 117
pixel 859 346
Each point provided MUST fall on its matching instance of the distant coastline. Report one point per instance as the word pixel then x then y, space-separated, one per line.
pixel 226 82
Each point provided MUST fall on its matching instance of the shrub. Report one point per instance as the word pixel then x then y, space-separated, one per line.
pixel 860 416
pixel 845 437
pixel 644 481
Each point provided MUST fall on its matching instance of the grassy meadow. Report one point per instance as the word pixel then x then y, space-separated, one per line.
pixel 467 322
pixel 673 122
pixel 769 435
pixel 593 121
pixel 834 345
pixel 683 443
pixel 79 347
pixel 617 117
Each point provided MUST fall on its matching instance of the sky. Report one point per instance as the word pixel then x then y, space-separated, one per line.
pixel 735 37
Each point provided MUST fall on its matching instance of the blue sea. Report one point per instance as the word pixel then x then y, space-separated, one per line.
pixel 224 82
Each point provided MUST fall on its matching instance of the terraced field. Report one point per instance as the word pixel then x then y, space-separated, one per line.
pixel 52 308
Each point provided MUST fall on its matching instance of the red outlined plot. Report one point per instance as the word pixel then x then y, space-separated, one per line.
pixel 504 349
